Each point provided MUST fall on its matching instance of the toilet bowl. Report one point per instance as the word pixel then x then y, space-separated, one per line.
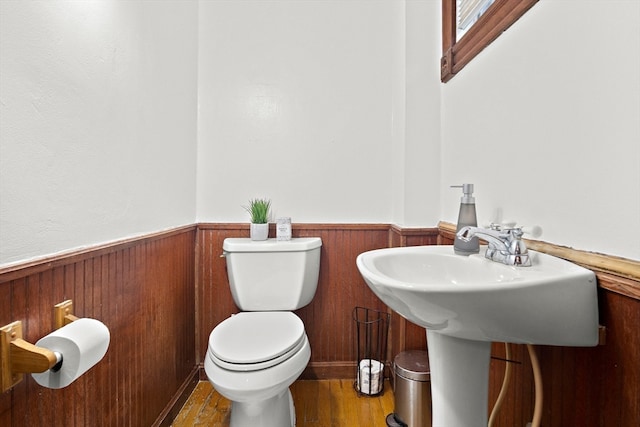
pixel 254 356
pixel 252 359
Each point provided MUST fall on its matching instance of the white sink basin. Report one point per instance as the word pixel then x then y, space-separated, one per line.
pixel 465 303
pixel 552 302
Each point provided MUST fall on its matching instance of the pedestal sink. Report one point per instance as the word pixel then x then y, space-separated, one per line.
pixel 465 303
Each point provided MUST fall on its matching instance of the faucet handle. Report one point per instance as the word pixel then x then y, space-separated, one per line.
pixel 515 232
pixel 501 225
pixel 534 231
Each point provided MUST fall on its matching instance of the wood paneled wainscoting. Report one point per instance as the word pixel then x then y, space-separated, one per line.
pixel 162 294
pixel 597 386
pixel 142 289
pixel 328 318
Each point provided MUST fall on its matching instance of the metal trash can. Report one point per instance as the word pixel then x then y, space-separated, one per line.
pixel 412 392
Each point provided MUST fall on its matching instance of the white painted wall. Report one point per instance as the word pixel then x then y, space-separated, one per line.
pixel 295 105
pixel 333 109
pixel 423 165
pixel 97 122
pixel 304 103
pixel 415 116
pixel 546 123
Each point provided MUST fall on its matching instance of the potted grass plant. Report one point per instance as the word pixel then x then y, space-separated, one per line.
pixel 258 209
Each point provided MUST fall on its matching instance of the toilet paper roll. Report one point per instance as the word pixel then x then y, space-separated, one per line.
pixel 82 344
pixel 370 376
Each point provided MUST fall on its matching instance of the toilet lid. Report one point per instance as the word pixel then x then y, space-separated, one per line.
pixel 251 338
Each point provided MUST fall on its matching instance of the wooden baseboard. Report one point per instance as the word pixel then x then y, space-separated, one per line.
pixel 314 371
pixel 329 370
pixel 172 409
pixel 339 370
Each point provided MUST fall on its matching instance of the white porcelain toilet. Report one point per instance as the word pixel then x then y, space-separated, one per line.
pixel 254 356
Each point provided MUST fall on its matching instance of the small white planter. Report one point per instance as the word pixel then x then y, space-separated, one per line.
pixel 259 231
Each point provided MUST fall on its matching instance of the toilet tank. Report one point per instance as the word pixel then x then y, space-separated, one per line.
pixel 272 275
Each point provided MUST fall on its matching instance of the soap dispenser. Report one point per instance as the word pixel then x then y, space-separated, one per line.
pixel 466 217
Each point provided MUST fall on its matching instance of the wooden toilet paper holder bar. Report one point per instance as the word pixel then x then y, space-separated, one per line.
pixel 63 314
pixel 18 356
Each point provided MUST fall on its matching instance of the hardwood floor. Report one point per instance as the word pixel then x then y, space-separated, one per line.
pixel 319 403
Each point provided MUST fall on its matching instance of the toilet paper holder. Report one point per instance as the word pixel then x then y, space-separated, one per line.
pixel 63 314
pixel 18 357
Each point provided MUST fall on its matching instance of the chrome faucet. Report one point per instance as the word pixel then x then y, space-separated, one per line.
pixel 505 246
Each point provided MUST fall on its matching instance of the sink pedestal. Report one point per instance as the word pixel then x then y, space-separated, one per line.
pixel 459 380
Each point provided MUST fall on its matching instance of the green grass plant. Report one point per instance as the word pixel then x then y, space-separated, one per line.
pixel 259 210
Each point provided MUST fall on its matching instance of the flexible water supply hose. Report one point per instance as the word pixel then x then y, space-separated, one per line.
pixel 505 383
pixel 537 377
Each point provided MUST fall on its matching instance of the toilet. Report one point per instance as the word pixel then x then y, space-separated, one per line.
pixel 254 356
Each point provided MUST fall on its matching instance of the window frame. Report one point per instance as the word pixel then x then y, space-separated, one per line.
pixel 493 22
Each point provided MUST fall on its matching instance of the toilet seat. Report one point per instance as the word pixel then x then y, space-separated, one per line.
pixel 250 341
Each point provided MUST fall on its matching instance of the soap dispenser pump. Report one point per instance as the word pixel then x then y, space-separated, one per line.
pixel 466 217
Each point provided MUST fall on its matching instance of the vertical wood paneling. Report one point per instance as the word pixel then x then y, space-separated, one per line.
pixel 143 290
pixel 153 292
pixel 6 316
pixel 213 297
pixel 327 318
